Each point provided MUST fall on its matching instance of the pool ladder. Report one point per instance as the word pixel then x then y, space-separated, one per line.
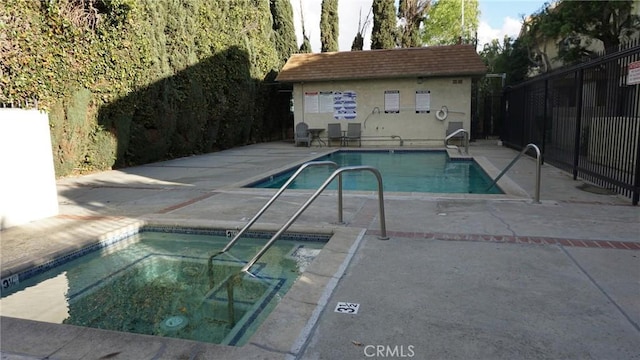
pixel 536 197
pixel 337 173
pixel 465 134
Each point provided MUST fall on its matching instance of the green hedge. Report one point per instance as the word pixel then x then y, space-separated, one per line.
pixel 134 81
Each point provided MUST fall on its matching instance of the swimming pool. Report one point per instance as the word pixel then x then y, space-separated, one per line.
pixel 160 283
pixel 402 171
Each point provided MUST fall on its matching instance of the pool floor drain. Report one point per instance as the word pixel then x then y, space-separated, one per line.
pixel 174 323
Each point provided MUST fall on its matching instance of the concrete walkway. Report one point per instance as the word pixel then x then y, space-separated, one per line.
pixel 461 277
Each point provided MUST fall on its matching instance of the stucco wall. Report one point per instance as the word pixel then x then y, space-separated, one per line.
pixel 378 127
pixel 27 185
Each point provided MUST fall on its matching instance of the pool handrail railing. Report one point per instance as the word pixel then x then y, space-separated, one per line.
pixel 273 198
pixel 294 217
pixel 465 134
pixel 536 197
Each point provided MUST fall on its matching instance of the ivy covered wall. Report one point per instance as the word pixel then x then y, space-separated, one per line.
pixel 129 82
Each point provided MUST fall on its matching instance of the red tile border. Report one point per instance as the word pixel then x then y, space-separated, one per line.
pixel 88 217
pixel 514 239
pixel 594 244
pixel 185 203
pixel 618 245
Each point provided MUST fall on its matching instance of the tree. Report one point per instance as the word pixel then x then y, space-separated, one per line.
pixel 283 29
pixel 358 41
pixel 507 63
pixel 411 14
pixel 446 22
pixel 608 21
pixel 383 34
pixel 572 26
pixel 509 58
pixel 539 33
pixel 306 44
pixel 305 48
pixel 329 26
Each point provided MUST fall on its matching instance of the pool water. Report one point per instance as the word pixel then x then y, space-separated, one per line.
pixel 402 171
pixel 161 284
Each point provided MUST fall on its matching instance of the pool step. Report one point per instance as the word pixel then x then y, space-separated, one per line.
pixel 246 293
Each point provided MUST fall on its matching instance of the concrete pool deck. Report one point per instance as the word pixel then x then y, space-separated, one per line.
pixel 462 276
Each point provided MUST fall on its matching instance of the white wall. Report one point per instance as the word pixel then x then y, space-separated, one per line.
pixel 27 177
pixel 416 129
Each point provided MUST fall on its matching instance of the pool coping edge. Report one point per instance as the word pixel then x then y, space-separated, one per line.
pixel 273 339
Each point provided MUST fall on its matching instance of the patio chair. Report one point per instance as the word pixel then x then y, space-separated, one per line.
pixel 452 127
pixel 334 132
pixel 302 134
pixel 353 133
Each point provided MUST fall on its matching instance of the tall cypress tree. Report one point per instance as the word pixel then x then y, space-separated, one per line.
pixel 329 26
pixel 283 29
pixel 383 34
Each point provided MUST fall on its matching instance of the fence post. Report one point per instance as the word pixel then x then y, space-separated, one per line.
pixel 545 115
pixel 636 186
pixel 525 120
pixel 576 148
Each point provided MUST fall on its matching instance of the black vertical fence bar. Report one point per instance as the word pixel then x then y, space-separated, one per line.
pixel 526 116
pixel 622 104
pixel 585 118
pixel 628 160
pixel 636 183
pixel 570 120
pixel 636 174
pixel 605 114
pixel 503 113
pixel 630 113
pixel 636 115
pixel 578 122
pixel 528 103
pixel 612 142
pixel 629 93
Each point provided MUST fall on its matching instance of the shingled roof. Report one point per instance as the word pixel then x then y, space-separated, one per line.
pixel 432 61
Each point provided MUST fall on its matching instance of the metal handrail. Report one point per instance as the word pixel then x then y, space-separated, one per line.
pixel 465 136
pixel 536 197
pixel 273 198
pixel 338 172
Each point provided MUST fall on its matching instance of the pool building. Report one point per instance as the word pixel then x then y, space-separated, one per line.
pixel 409 96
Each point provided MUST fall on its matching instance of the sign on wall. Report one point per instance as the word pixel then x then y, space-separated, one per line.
pixel 633 76
pixel 344 105
pixel 311 102
pixel 423 101
pixel 392 101
pixel 326 101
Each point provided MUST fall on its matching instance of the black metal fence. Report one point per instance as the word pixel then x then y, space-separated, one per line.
pixel 585 119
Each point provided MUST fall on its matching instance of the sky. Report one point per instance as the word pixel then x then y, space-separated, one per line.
pixel 497 18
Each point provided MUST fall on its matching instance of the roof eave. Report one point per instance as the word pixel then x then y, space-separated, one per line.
pixel 403 76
